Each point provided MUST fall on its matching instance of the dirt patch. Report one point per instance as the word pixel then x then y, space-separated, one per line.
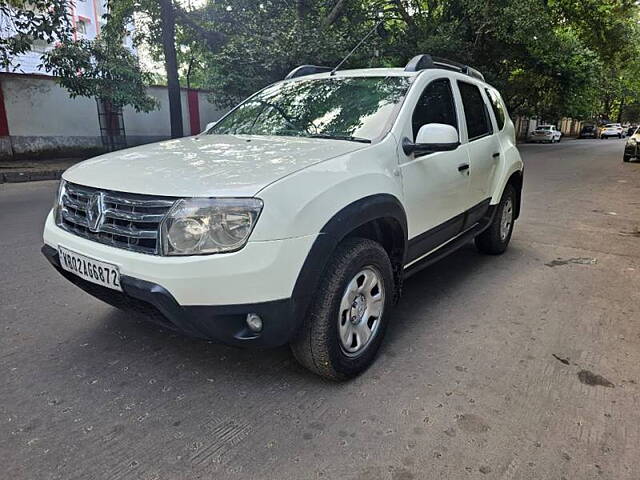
pixel 579 260
pixel 594 380
pixel 471 423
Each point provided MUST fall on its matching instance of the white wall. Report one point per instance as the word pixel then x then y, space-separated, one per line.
pixel 39 107
pixel 43 118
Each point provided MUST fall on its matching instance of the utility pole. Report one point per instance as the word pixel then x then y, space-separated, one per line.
pixel 168 25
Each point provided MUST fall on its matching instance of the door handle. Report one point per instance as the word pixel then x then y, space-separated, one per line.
pixel 463 166
pixel 496 155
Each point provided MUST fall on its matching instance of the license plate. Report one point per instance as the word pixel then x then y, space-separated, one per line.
pixel 89 269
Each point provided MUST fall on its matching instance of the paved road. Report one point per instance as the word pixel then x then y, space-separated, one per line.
pixel 494 367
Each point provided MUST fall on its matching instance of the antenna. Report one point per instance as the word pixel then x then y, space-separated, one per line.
pixel 333 72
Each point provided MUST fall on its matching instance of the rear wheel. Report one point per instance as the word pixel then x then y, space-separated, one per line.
pixel 626 158
pixel 347 318
pixel 495 239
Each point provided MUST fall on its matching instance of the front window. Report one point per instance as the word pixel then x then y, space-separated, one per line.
pixel 353 108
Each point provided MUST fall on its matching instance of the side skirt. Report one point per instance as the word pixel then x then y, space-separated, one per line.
pixel 451 245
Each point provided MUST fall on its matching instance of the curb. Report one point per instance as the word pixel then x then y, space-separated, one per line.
pixel 31 176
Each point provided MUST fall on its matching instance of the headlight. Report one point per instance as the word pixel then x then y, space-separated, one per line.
pixel 199 226
pixel 57 206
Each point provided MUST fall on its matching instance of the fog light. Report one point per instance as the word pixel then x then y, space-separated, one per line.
pixel 254 322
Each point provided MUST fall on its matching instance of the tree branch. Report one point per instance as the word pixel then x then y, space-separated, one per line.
pixel 303 8
pixel 213 38
pixel 403 12
pixel 335 13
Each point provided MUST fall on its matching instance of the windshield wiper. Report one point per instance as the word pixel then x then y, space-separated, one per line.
pixel 339 137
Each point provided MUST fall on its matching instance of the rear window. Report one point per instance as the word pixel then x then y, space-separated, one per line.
pixel 475 111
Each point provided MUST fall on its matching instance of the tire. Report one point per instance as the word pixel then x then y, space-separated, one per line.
pixel 626 159
pixel 494 240
pixel 317 345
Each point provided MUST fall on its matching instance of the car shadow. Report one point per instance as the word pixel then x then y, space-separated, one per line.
pixel 129 339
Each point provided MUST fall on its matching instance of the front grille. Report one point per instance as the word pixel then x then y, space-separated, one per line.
pixel 128 221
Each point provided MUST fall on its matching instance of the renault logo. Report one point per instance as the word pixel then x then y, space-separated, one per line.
pixel 95 212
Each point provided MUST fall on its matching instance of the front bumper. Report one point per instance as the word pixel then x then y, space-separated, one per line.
pixel 207 296
pixel 260 272
pixel 223 323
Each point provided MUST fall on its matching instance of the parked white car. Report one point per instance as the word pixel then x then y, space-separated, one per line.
pixel 612 130
pixel 545 133
pixel 296 217
pixel 631 147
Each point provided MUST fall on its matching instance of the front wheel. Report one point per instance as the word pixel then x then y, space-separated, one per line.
pixel 347 318
pixel 495 239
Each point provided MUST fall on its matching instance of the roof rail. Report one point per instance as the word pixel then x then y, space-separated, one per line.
pixel 303 70
pixel 426 61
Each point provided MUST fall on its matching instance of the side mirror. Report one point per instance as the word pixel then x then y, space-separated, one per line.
pixel 433 137
pixel 209 126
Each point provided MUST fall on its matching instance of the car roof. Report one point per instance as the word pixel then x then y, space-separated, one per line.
pixel 361 72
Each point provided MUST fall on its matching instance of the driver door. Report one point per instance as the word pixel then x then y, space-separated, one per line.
pixel 435 185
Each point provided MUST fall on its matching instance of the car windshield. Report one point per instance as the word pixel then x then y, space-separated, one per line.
pixel 544 127
pixel 353 108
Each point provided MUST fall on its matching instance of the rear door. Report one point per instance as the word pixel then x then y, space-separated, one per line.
pixel 482 146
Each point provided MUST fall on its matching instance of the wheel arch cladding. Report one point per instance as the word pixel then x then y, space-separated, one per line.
pixel 516 180
pixel 378 217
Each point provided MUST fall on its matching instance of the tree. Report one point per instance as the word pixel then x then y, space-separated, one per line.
pixel 107 71
pixel 24 21
pixel 102 69
pixel 157 24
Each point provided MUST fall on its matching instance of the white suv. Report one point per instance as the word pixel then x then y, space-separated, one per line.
pixel 295 218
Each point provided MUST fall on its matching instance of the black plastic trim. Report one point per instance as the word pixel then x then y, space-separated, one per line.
pixel 439 235
pixel 344 222
pixel 305 70
pixel 454 244
pixel 426 61
pixel 223 323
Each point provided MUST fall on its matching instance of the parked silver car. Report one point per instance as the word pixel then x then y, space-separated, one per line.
pixel 545 133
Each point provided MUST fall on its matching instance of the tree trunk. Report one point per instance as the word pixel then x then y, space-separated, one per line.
pixel 168 22
pixel 621 110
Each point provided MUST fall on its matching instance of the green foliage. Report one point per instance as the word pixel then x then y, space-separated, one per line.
pixel 102 69
pixel 22 22
pixel 549 58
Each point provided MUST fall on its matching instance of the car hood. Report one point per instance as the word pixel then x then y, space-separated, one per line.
pixel 206 165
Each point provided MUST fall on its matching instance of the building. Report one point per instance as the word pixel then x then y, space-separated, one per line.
pixel 86 18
